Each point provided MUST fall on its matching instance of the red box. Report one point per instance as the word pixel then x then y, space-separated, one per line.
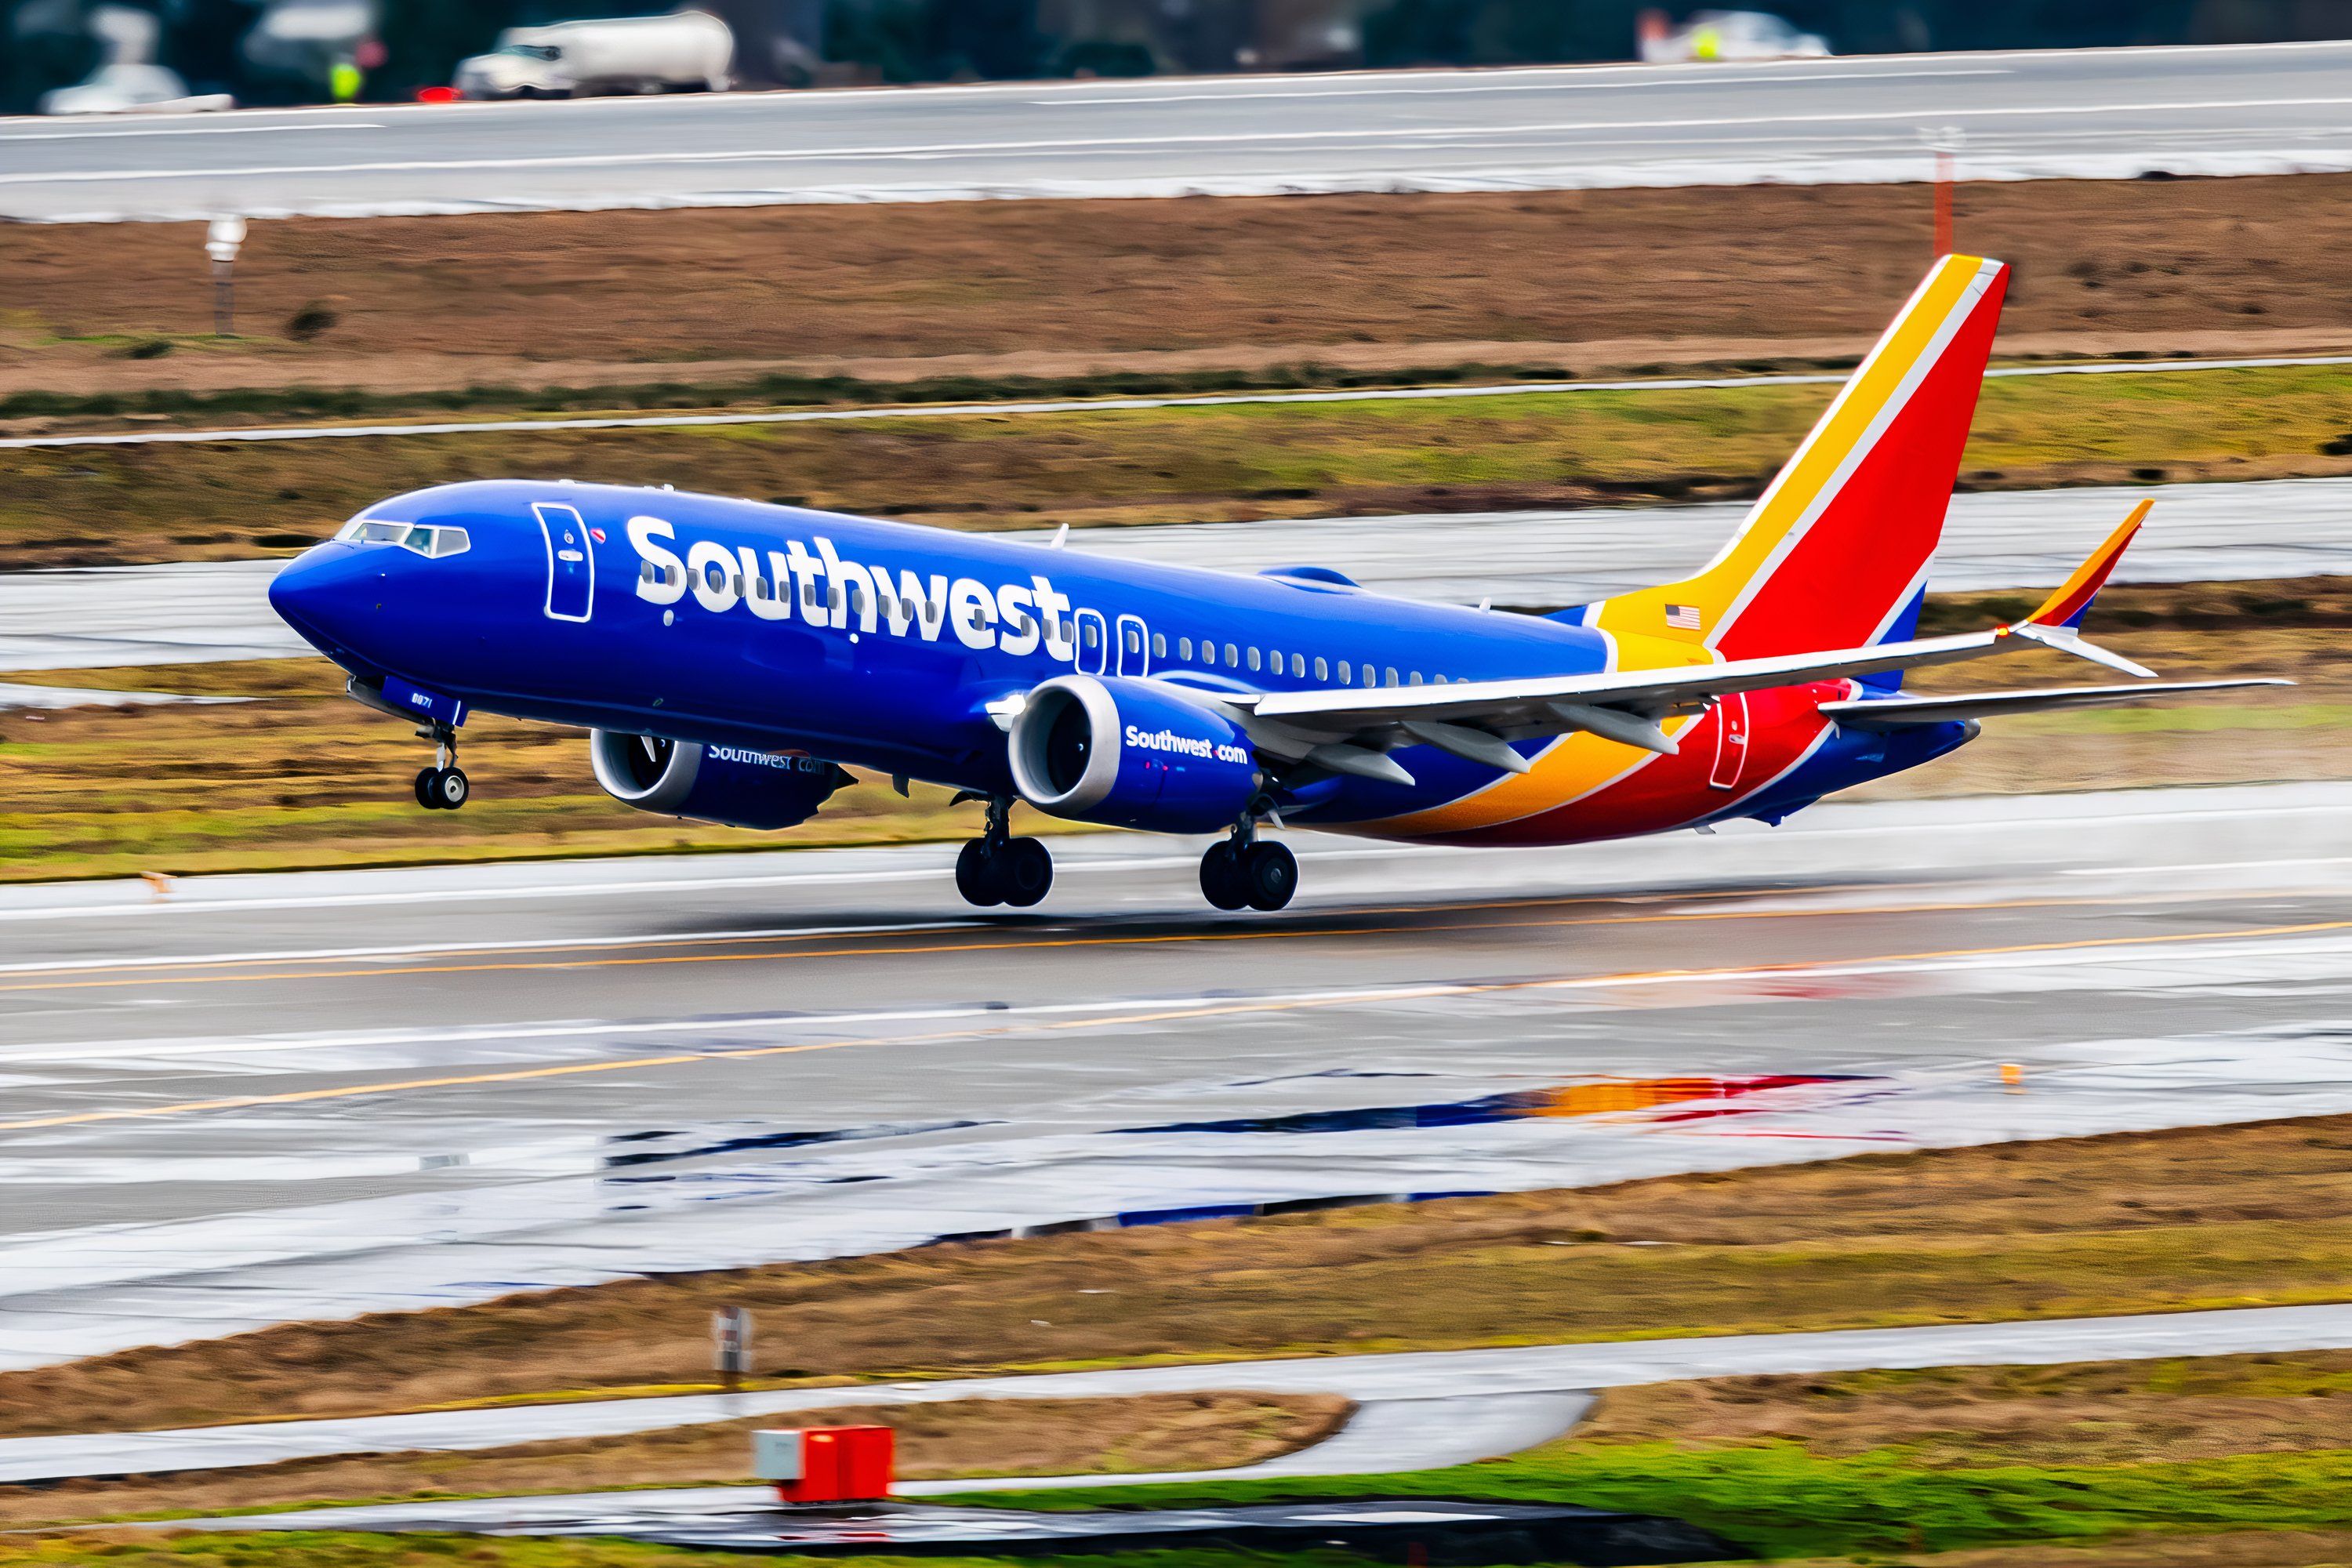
pixel 843 1464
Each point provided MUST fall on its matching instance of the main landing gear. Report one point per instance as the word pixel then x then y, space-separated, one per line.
pixel 1247 871
pixel 443 786
pixel 996 868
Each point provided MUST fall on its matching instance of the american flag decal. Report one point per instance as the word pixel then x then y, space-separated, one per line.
pixel 1683 618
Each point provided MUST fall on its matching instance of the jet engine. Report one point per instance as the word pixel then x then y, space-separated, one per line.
pixel 1132 753
pixel 732 785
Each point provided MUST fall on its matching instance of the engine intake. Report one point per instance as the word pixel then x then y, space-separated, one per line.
pixel 731 785
pixel 1132 753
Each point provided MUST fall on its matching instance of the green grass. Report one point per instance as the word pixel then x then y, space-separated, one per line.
pixel 343 1549
pixel 127 504
pixel 1780 1500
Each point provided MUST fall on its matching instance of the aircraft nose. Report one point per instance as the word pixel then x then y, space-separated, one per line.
pixel 318 592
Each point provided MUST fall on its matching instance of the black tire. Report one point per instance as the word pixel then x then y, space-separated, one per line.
pixel 424 781
pixel 1025 873
pixel 451 789
pixel 977 875
pixel 1270 873
pixel 1221 877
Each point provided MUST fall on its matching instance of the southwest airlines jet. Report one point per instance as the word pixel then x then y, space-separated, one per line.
pixel 728 656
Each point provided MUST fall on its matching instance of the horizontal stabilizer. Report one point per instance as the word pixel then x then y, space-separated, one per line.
pixel 1900 713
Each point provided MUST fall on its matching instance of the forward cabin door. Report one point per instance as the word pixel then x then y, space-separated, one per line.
pixel 1730 742
pixel 571 562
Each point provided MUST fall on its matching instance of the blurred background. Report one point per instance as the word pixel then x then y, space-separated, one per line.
pixel 311 51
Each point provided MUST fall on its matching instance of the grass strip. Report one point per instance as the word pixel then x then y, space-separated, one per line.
pixel 119 505
pixel 1780 1500
pixel 301 777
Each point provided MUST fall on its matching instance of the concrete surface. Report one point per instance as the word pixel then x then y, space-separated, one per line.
pixel 100 616
pixel 1447 1386
pixel 293 1097
pixel 2090 113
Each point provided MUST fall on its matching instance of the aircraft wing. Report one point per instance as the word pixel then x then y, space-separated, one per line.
pixel 1899 712
pixel 1351 731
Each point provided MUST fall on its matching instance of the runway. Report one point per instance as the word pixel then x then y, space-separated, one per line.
pixel 195 612
pixel 310 1096
pixel 2093 114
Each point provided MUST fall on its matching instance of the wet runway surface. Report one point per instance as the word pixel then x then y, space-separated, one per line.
pixel 311 1095
pixel 2063 114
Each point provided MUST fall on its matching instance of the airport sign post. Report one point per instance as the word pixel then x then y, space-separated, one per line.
pixel 731 1343
pixel 221 241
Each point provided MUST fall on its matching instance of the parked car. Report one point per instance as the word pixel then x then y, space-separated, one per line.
pixel 130 88
pixel 688 51
pixel 1725 36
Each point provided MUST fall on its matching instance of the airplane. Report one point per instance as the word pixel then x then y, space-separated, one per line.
pixel 732 659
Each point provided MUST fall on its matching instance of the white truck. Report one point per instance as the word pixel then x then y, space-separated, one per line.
pixel 686 51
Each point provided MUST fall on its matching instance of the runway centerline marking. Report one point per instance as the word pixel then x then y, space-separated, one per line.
pixel 2122 946
pixel 1151 939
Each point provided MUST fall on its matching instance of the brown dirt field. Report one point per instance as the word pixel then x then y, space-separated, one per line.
pixel 2207 1217
pixel 2094 1413
pixel 1598 281
pixel 934 1442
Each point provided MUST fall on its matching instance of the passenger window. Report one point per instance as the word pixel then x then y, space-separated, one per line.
pixel 1233 657
pixel 1416 677
pixel 1254 659
pixel 1347 673
pixel 1298 665
pixel 1439 680
pixel 1322 670
pixel 1160 645
pixel 1093 633
pixel 1184 648
pixel 1393 675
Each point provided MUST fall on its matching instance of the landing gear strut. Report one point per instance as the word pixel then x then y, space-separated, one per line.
pixel 1245 870
pixel 443 786
pixel 996 868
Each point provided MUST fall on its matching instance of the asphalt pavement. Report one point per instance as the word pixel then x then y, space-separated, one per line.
pixel 193 613
pixel 238 1100
pixel 2090 113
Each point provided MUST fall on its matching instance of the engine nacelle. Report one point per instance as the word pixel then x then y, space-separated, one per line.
pixel 731 785
pixel 1132 753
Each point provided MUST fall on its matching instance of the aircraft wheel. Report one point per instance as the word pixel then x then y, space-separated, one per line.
pixel 1222 877
pixel 1025 873
pixel 977 875
pixel 450 789
pixel 425 781
pixel 1270 874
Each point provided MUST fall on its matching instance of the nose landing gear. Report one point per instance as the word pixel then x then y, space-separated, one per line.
pixel 1245 871
pixel 996 868
pixel 442 787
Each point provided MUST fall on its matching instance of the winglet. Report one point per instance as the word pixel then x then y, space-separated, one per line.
pixel 2072 602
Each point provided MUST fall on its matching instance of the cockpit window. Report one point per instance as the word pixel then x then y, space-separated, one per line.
pixel 423 538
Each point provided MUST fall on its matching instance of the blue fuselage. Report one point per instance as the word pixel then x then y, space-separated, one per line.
pixel 875 643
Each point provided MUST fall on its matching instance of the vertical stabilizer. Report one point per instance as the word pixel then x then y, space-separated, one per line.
pixel 1835 553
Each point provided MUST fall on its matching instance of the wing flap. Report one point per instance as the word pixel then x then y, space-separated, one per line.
pixel 1902 713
